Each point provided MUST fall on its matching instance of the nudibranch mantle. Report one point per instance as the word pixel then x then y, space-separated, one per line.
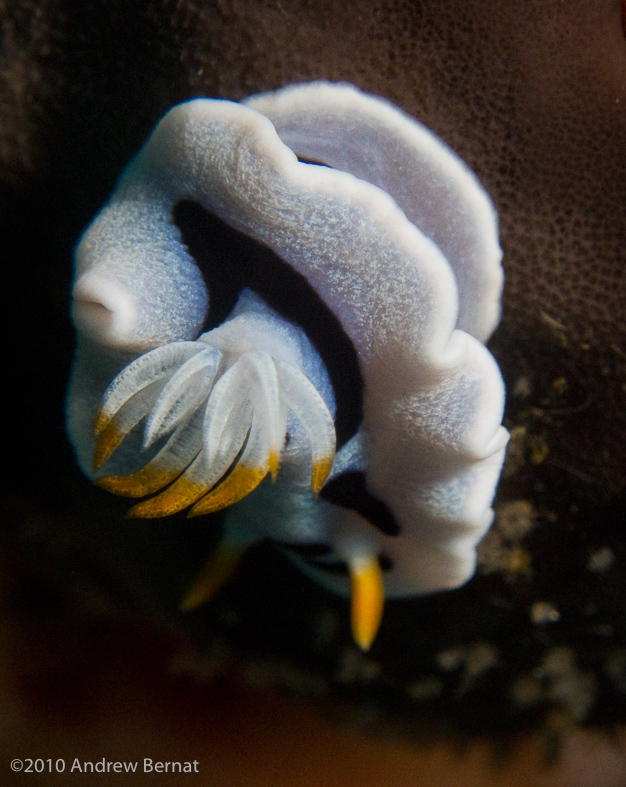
pixel 397 237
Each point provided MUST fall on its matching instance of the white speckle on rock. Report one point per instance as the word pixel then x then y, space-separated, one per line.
pixel 522 387
pixel 515 519
pixel 575 690
pixel 481 656
pixel 601 560
pixel 542 612
pixel 500 550
pixel 558 661
pixel 451 659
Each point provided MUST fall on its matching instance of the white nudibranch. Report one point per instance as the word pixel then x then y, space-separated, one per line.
pixel 390 237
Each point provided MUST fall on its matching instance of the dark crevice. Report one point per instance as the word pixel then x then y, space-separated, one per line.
pixel 340 567
pixel 312 552
pixel 314 161
pixel 349 490
pixel 308 550
pixel 230 261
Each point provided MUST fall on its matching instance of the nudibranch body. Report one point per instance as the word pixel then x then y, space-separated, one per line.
pixel 396 238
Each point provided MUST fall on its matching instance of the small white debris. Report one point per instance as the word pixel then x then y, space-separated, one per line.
pixel 544 612
pixel 500 550
pixel 601 560
pixel 522 387
pixel 452 659
pixel 558 679
pixel 558 661
pixel 575 690
pixel 515 519
pixel 567 685
pixel 481 656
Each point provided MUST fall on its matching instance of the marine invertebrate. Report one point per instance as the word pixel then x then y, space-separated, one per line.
pixel 398 239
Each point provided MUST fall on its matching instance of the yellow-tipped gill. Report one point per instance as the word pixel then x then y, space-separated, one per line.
pixel 368 597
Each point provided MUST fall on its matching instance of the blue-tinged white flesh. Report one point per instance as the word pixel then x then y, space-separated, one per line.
pixel 398 239
pixel 370 138
pixel 225 411
pixel 183 393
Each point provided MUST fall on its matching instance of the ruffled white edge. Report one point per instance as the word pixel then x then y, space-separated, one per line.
pixel 375 141
pixel 391 287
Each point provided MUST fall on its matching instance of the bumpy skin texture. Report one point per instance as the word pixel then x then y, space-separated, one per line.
pixel 402 291
pixel 532 102
pixel 533 97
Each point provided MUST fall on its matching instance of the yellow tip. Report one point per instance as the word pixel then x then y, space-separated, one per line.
pixel 143 482
pixel 272 460
pixel 179 495
pixel 109 439
pixel 100 422
pixel 241 481
pixel 367 599
pixel 319 472
pixel 219 569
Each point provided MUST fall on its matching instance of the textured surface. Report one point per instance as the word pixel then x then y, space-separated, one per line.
pixel 432 395
pixel 533 96
pixel 534 101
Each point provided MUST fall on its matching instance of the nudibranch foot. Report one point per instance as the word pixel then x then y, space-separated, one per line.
pixel 223 413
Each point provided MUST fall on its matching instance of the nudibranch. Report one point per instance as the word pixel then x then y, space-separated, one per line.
pixel 392 236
